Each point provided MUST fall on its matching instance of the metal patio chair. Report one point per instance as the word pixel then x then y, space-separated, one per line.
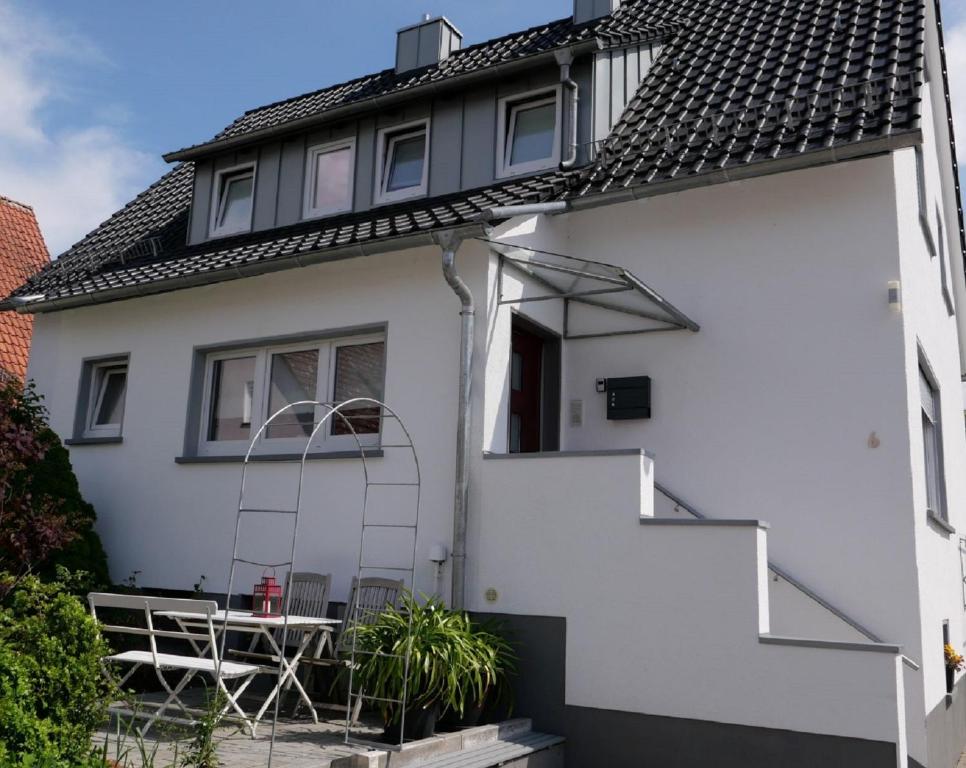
pixel 368 599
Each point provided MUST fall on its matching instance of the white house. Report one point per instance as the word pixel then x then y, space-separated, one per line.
pixel 706 459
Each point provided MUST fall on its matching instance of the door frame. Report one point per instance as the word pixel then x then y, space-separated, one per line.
pixel 551 372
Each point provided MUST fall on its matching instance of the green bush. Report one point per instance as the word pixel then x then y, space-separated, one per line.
pixel 52 692
pixel 44 520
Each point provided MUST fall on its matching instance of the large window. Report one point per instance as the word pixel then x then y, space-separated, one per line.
pixel 932 445
pixel 529 133
pixel 231 203
pixel 244 388
pixel 329 178
pixel 403 162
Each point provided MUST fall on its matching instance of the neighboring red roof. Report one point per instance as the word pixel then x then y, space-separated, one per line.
pixel 22 253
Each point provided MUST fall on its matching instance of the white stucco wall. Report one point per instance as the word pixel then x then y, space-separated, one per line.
pixel 791 403
pixel 930 330
pixel 661 619
pixel 174 522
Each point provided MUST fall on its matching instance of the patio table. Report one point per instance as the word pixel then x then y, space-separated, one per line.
pixel 265 626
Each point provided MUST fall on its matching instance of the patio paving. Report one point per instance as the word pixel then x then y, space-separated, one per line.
pixel 299 743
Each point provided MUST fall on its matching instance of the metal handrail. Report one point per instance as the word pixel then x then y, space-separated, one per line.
pixel 779 571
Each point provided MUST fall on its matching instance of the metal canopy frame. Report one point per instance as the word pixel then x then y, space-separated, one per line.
pixel 589 283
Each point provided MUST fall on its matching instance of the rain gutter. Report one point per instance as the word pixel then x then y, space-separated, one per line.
pixel 565 59
pixel 450 242
pixel 233 273
pixel 767 167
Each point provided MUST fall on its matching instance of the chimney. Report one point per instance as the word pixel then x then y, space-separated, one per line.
pixel 428 42
pixel 588 10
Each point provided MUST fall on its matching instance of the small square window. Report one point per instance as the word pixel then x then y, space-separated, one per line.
pixel 529 133
pixel 329 179
pixel 107 389
pixel 231 210
pixel 403 162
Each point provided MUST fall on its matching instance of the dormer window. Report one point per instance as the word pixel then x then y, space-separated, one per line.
pixel 403 162
pixel 329 178
pixel 231 208
pixel 529 138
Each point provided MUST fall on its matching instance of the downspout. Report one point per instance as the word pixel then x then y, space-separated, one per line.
pixel 565 59
pixel 450 242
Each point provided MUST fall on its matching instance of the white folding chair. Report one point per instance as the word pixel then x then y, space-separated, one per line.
pixel 204 645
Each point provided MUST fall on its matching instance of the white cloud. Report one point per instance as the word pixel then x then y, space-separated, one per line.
pixel 74 177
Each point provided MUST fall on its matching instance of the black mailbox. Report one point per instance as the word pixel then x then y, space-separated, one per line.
pixel 629 398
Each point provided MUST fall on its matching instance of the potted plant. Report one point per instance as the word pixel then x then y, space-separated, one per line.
pixel 954 663
pixel 452 664
pixel 488 686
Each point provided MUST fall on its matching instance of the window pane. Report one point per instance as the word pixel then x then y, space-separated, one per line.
pixel 236 202
pixel 110 402
pixel 333 173
pixel 932 464
pixel 533 132
pixel 358 373
pixel 406 163
pixel 294 378
pixel 232 392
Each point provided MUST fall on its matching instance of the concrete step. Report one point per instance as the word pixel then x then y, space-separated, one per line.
pixel 512 744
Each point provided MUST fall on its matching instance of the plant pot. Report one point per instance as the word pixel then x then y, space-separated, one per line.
pixel 420 724
pixel 471 718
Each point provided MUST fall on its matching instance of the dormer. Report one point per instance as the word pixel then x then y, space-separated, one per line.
pixel 441 121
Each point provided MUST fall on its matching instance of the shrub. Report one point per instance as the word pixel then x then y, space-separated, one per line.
pixel 52 692
pixel 44 520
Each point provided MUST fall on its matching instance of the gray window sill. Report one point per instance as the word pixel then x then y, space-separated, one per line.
pixel 94 440
pixel 943 525
pixel 370 453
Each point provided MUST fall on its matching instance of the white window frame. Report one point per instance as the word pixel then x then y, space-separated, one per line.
pixel 387 140
pixel 99 371
pixel 217 201
pixel 325 387
pixel 311 177
pixel 509 106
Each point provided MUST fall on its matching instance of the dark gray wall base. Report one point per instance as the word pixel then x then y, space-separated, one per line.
pixel 604 737
pixel 946 729
pixel 597 737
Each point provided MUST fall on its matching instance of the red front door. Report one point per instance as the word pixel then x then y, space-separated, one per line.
pixel 525 387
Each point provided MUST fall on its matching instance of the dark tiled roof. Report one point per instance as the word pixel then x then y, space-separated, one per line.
pixel 624 26
pixel 738 82
pixel 22 253
pixel 144 242
pixel 750 80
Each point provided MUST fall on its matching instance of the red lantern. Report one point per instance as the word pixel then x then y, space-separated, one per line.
pixel 267 598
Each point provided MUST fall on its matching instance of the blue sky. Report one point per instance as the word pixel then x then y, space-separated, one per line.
pixel 95 91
